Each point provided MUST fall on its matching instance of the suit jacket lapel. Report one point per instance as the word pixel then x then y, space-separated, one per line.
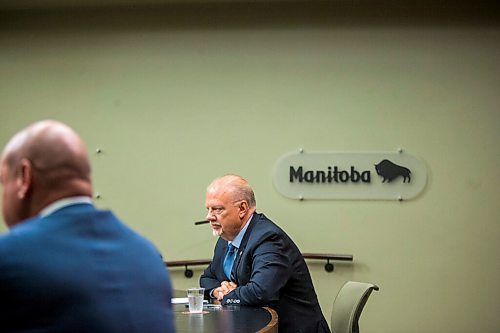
pixel 241 249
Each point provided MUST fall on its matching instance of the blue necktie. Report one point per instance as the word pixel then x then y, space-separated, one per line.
pixel 228 261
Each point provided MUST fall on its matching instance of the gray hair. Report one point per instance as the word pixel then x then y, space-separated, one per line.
pixel 239 188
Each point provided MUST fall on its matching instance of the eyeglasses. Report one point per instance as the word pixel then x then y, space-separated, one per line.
pixel 217 210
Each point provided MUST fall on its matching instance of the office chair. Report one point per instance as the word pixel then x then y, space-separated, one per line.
pixel 348 306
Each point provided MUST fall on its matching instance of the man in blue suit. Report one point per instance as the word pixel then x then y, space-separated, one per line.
pixel 255 263
pixel 66 266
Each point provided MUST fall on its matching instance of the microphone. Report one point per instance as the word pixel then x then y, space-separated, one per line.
pixel 201 222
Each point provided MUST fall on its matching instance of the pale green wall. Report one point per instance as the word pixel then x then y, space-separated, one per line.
pixel 173 106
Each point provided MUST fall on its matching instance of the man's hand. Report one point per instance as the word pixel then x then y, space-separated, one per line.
pixel 225 288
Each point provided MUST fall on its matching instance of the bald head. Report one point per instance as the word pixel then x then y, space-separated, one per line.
pixel 235 186
pixel 42 163
pixel 230 202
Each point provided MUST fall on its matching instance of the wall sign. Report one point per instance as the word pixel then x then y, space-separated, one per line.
pixel 350 175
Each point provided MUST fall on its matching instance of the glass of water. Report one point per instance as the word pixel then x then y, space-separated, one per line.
pixel 195 298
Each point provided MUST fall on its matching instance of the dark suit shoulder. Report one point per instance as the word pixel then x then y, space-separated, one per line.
pixel 264 227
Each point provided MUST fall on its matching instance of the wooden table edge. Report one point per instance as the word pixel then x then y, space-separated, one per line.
pixel 272 326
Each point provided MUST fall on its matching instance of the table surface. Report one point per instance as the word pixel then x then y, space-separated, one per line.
pixel 227 319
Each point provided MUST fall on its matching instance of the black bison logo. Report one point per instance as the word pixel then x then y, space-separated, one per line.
pixel 390 171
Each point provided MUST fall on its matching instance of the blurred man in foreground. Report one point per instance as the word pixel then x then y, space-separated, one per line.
pixel 66 266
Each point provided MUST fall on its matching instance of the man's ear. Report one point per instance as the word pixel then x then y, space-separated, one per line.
pixel 24 178
pixel 243 207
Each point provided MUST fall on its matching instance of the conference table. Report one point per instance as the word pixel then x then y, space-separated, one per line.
pixel 226 319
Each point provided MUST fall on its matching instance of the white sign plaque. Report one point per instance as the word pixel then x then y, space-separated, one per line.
pixel 350 175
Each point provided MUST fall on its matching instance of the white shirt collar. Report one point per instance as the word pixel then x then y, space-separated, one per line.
pixel 61 203
pixel 237 240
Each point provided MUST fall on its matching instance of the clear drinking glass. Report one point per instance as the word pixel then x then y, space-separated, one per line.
pixel 195 298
